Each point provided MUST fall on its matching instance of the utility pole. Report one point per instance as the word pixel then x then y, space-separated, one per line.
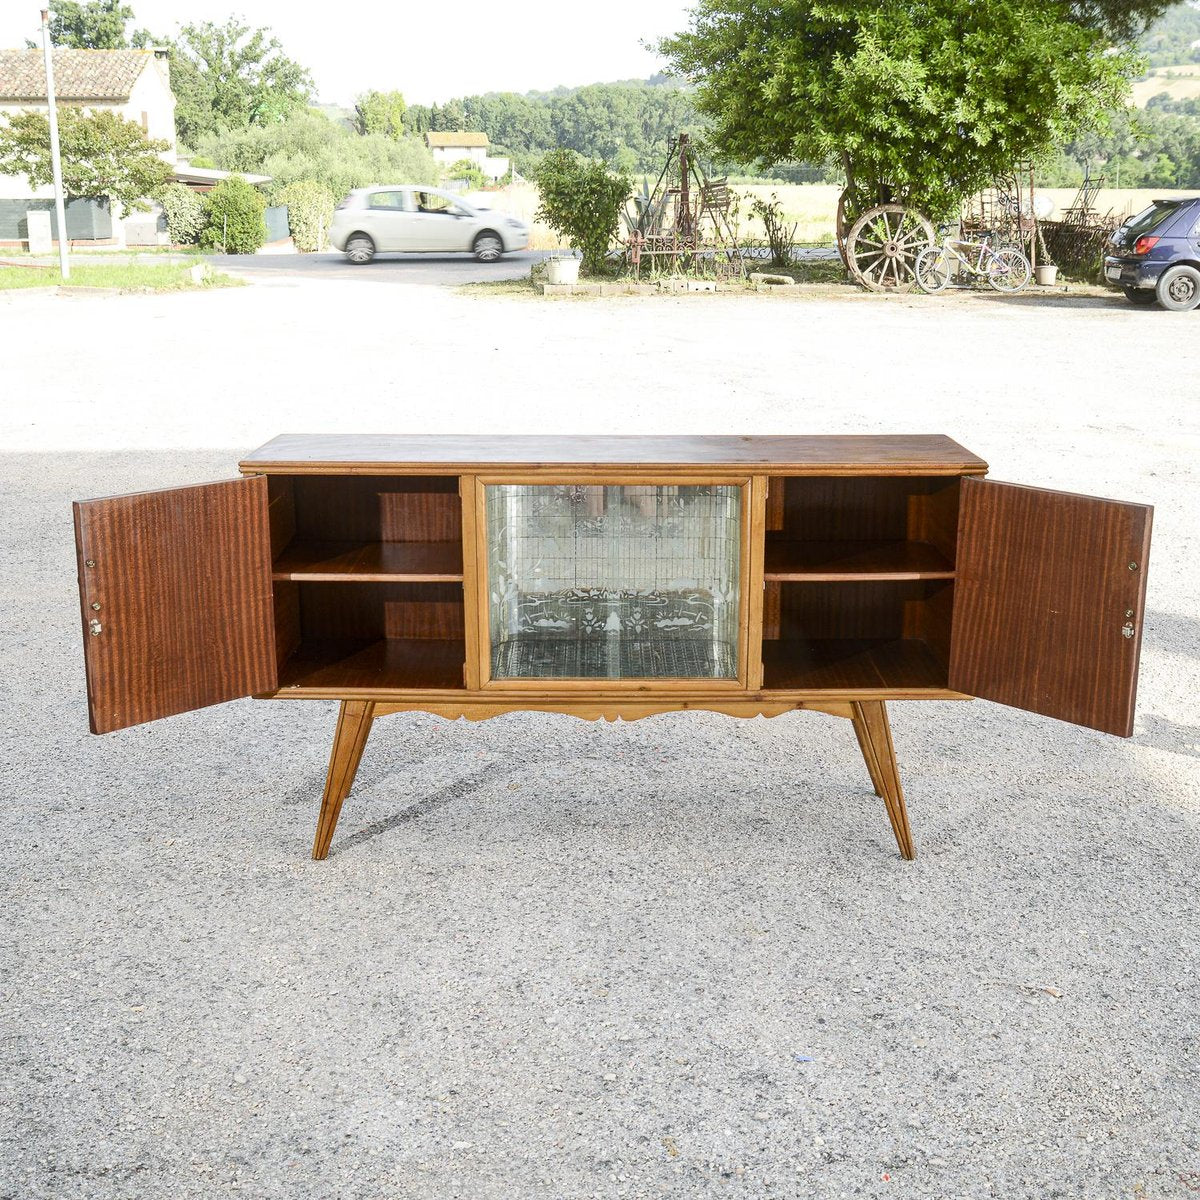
pixel 60 208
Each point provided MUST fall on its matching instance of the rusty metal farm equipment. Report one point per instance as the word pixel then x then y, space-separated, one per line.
pixel 685 223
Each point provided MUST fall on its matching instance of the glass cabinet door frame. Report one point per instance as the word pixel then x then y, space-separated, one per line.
pixel 750 565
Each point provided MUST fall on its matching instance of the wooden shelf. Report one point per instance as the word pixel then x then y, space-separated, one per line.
pixel 796 665
pixel 418 663
pixel 823 562
pixel 370 562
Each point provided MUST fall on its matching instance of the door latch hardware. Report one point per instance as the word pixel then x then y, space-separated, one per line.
pixel 1127 629
pixel 1133 566
pixel 89 562
pixel 94 626
pixel 96 607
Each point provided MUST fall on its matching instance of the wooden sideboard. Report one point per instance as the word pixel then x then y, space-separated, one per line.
pixel 610 577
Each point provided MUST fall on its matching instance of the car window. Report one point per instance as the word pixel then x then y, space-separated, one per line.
pixel 431 202
pixel 392 201
pixel 1152 218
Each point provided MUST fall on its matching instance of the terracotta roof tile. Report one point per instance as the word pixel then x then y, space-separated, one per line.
pixel 78 74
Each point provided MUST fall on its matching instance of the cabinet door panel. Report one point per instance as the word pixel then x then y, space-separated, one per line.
pixel 1047 607
pixel 176 594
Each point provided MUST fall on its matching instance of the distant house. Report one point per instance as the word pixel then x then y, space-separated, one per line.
pixel 136 85
pixel 449 148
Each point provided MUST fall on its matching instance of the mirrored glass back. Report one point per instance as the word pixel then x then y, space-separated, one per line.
pixel 614 581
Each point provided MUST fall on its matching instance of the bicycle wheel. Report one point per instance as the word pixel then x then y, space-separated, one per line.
pixel 932 269
pixel 1009 270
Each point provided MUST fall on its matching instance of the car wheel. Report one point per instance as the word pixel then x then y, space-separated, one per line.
pixel 1140 295
pixel 360 249
pixel 1178 289
pixel 488 247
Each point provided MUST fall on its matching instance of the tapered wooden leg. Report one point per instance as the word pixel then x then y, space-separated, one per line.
pixel 875 737
pixel 353 729
pixel 868 755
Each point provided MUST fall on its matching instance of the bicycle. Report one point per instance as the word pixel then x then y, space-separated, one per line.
pixel 1006 269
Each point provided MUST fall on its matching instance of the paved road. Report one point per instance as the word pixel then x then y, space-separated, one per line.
pixel 449 269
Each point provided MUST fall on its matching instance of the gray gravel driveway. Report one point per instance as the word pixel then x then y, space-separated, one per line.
pixel 549 958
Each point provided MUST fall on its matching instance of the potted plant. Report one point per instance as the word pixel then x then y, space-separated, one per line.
pixel 1046 273
pixel 582 202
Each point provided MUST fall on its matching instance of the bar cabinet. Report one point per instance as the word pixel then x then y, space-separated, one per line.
pixel 612 577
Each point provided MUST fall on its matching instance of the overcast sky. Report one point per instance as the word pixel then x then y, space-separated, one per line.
pixel 429 49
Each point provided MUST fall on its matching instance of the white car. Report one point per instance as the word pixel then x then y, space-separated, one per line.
pixel 413 218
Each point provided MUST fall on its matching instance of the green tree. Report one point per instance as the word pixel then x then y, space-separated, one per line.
pixel 1118 20
pixel 582 201
pixel 627 124
pixel 380 112
pixel 467 171
pixel 307 145
pixel 103 155
pixel 451 116
pixel 233 213
pixel 93 25
pixel 231 76
pixel 923 101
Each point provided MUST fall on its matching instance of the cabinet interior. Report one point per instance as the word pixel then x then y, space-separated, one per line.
pixel 858 579
pixel 367 576
pixel 368 581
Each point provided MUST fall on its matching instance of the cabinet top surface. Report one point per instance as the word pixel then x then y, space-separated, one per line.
pixel 812 454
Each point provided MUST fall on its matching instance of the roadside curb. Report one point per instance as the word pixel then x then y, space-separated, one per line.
pixel 630 288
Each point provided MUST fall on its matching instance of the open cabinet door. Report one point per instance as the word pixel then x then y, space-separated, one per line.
pixel 1049 593
pixel 176 594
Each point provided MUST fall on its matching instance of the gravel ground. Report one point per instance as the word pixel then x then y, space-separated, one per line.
pixel 555 959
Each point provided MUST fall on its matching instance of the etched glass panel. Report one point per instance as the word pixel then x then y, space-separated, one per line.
pixel 617 581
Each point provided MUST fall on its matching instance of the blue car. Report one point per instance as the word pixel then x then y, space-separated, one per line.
pixel 1156 255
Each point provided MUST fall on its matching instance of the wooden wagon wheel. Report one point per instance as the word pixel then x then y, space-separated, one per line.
pixel 883 244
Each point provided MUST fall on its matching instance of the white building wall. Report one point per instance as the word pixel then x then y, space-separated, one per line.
pixel 150 97
pixel 494 167
pixel 453 154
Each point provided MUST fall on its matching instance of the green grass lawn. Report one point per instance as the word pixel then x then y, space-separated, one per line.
pixel 128 276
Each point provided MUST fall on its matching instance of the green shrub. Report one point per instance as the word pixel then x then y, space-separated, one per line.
pixel 234 217
pixel 467 172
pixel 310 209
pixel 581 201
pixel 780 235
pixel 184 211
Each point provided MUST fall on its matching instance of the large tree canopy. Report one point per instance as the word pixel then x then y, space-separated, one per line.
pixel 930 98
pixel 93 25
pixel 231 76
pixel 103 155
pixel 380 112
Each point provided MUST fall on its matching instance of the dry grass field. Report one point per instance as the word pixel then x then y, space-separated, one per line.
pixel 811 207
pixel 1180 83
